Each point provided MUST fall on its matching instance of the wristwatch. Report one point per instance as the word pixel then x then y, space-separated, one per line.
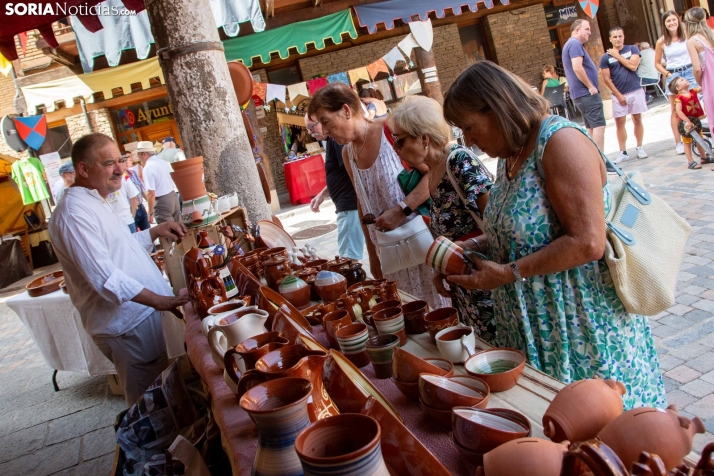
pixel 405 208
pixel 516 273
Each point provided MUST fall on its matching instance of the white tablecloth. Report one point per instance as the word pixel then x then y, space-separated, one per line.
pixel 56 328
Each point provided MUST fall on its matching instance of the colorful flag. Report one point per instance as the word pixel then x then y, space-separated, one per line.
pixel 338 78
pixel 32 129
pixel 358 74
pixel 314 85
pixel 375 68
pixel 590 7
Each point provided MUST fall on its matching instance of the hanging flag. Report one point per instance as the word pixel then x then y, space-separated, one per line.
pixel 590 7
pixel 299 89
pixel 260 90
pixel 423 33
pixel 407 44
pixel 375 68
pixel 393 57
pixel 357 74
pixel 338 78
pixel 32 129
pixel 5 65
pixel 275 91
pixel 314 85
pixel 23 42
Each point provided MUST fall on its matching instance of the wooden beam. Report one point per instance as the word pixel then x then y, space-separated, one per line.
pixel 282 19
pixel 117 102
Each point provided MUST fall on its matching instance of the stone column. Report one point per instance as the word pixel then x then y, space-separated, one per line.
pixel 205 106
pixel 425 60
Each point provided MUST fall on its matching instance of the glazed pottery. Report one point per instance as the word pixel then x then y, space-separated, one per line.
pixel 664 433
pixel 441 418
pixel 229 306
pixel 380 350
pixel 482 430
pixel 446 257
pixel 350 303
pixel 208 322
pixel 223 205
pixel 352 340
pixel 454 343
pixel 330 286
pixel 236 327
pixel 319 264
pixel 565 418
pixel 182 164
pixel 353 273
pixel 595 458
pixel 272 301
pixel 406 367
pixel 289 328
pixel 445 393
pixel 274 270
pixel 279 410
pixel 296 291
pixel 439 320
pixel 390 321
pixel 334 321
pixel 534 456
pixel 500 368
pixel 342 444
pixel 189 181
pixel 46 284
pixel 414 313
pixel 271 253
pixel 253 348
pixel 388 291
pixel 385 305
pixel 336 264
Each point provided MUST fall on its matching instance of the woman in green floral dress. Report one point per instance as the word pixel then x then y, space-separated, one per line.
pixel 545 233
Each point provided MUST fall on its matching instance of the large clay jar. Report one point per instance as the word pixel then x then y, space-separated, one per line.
pixel 279 410
pixel 189 181
pixel 296 291
pixel 330 286
pixel 531 456
pixel 275 270
pixel 353 273
pixel 580 410
pixel 342 444
pixel 664 433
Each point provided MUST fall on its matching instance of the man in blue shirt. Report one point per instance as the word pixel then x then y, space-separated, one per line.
pixel 619 73
pixel 581 74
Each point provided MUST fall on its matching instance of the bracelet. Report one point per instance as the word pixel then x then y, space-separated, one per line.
pixel 516 273
pixel 477 244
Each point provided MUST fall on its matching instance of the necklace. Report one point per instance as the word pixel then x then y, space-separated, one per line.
pixel 364 142
pixel 510 171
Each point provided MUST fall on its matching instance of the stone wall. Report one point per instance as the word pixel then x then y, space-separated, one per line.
pixel 99 119
pixel 520 41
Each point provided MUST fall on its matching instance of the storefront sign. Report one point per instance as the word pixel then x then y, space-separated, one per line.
pixel 560 15
pixel 142 114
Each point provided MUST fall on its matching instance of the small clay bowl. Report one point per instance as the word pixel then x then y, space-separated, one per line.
pixel 500 368
pixel 46 284
pixel 409 389
pixel 445 365
pixel 445 393
pixel 481 430
pixel 441 418
pixel 406 367
pixel 471 456
pixel 439 320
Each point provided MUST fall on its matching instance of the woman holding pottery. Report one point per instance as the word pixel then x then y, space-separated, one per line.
pixel 545 235
pixel 422 137
pixel 373 167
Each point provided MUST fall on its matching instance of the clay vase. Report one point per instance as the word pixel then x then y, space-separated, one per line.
pixel 414 313
pixel 296 291
pixel 352 340
pixel 532 456
pixel 353 273
pixel 189 181
pixel 279 410
pixel 336 264
pixel 333 321
pixel 439 320
pixel 253 348
pixel 330 286
pixel 274 270
pixel 446 258
pixel 350 303
pixel 387 291
pixel 343 444
pixel 580 410
pixel 664 433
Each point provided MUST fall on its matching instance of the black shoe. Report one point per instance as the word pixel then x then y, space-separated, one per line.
pixel 610 169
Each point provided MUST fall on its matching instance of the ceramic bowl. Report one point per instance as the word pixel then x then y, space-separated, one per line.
pixel 414 313
pixel 439 320
pixel 385 305
pixel 332 321
pixel 380 350
pixel 453 343
pixel 46 284
pixel 223 307
pixel 481 430
pixel 499 368
pixel 352 340
pixel 441 418
pixel 406 367
pixel 330 285
pixel 445 393
pixel 408 389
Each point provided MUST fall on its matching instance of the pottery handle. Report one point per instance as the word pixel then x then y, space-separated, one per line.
pixel 479 471
pixel 548 428
pixel 216 349
pixel 471 350
pixel 231 365
pixel 250 379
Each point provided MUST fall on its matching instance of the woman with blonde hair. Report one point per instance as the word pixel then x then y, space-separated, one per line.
pixel 423 137
pixel 544 234
pixel 700 41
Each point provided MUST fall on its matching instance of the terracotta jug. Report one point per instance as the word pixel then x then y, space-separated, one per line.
pixel 350 303
pixel 580 410
pixel 274 270
pixel 388 291
pixel 664 433
pixel 253 348
pixel 236 327
pixel 531 456
pixel 353 273
pixel 189 181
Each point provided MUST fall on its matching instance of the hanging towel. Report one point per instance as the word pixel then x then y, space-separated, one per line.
pixel 260 90
pixel 407 44
pixel 338 78
pixel 393 57
pixel 275 91
pixel 357 74
pixel 423 33
pixel 375 68
pixel 299 89
pixel 229 13
pixel 316 84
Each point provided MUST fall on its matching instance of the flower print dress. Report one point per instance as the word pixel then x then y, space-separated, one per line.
pixel 451 218
pixel 571 324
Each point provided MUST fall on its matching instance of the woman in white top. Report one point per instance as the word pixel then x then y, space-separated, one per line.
pixel 672 46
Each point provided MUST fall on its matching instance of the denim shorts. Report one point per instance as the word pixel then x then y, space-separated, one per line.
pixel 686 72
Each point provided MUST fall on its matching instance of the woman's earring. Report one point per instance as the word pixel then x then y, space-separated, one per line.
pixel 426 147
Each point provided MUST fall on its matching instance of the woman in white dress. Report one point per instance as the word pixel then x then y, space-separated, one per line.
pixel 367 152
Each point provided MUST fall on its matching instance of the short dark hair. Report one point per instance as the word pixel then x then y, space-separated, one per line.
pixel 332 97
pixel 84 148
pixel 614 28
pixel 576 24
pixel 371 93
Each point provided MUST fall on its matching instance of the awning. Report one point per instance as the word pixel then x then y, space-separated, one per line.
pixel 297 35
pixel 84 85
pixel 368 16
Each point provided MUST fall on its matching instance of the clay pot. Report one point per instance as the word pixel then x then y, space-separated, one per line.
pixel 352 340
pixel 271 253
pixel 664 433
pixel 445 393
pixel 353 273
pixel 388 291
pixel 440 418
pixel 439 320
pixel 391 321
pixel 380 350
pixel 414 313
pixel 279 410
pixel 533 456
pixel 189 181
pixel 455 343
pixel 319 264
pixel 565 418
pixel 46 284
pixel 343 444
pixel 182 164
pixel 296 291
pixel 330 286
pixel 254 348
pixel 406 367
pixel 333 321
pixel 446 257
pixel 336 264
pixel 481 430
pixel 275 270
pixel 500 368
pixel 595 458
pixel 306 273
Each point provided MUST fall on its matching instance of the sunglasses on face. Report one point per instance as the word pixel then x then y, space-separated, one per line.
pixel 397 142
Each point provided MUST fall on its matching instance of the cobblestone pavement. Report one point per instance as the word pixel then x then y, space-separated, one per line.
pixel 70 432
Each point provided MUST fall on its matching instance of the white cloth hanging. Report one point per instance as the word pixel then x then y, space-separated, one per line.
pixel 299 89
pixel 393 57
pixel 407 44
pixel 423 33
pixel 275 91
pixel 229 13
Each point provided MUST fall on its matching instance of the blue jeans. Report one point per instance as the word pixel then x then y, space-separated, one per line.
pixel 141 219
pixel 132 227
pixel 350 239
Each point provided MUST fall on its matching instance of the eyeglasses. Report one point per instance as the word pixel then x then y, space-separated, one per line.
pixel 397 142
pixel 311 127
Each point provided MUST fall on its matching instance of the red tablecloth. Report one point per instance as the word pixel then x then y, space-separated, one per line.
pixel 305 178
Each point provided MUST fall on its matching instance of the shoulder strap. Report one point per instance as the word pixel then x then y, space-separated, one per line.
pixel 457 187
pixel 358 179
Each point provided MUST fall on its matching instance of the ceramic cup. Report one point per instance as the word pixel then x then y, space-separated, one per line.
pixel 224 204
pixel 332 322
pixel 391 321
pixel 439 320
pixel 446 257
pixel 386 304
pixel 414 313
pixel 380 350
pixel 352 340
pixel 454 343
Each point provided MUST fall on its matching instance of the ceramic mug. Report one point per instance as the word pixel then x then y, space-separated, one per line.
pixel 380 350
pixel 439 320
pixel 446 257
pixel 224 204
pixel 352 340
pixel 391 321
pixel 454 343
pixel 332 322
pixel 414 313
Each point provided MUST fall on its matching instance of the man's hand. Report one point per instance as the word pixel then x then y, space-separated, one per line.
pixel 316 202
pixel 614 52
pixel 390 219
pixel 593 90
pixel 169 303
pixel 151 218
pixel 172 230
pixel 622 100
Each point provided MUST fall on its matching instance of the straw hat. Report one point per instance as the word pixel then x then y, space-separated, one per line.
pixel 145 146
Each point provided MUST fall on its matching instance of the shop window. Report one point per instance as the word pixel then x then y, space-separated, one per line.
pixel 61 142
pixel 285 76
pixel 406 84
pixel 473 43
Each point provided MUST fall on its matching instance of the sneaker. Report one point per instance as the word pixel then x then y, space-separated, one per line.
pixel 610 170
pixel 621 157
pixel 641 154
pixel 680 148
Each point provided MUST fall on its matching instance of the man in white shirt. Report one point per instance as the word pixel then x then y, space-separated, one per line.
pixel 125 200
pixel 160 188
pixel 111 280
pixel 170 153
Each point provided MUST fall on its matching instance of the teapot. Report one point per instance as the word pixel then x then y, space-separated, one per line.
pixel 236 328
pixel 353 273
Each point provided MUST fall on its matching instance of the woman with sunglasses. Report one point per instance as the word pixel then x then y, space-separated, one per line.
pixel 367 152
pixel 422 137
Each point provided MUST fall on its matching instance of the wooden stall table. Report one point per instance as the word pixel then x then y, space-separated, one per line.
pixel 305 178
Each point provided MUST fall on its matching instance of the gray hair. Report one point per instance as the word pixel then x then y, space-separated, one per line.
pixel 420 115
pixel 644 45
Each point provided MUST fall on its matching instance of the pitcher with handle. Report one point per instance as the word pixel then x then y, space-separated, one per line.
pixel 236 327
